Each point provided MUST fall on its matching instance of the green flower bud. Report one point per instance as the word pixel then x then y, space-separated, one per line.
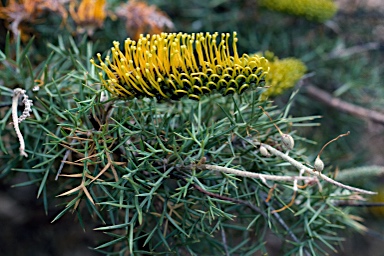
pixel 287 141
pixel 319 164
pixel 264 151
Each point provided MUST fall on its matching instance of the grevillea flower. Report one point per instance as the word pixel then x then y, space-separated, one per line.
pixel 141 18
pixel 318 10
pixel 283 74
pixel 90 14
pixel 20 14
pixel 169 66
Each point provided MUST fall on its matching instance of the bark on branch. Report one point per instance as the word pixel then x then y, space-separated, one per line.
pixel 344 106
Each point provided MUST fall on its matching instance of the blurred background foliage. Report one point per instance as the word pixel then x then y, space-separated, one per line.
pixel 343 55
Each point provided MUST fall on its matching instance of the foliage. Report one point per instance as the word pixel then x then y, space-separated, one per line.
pixel 127 164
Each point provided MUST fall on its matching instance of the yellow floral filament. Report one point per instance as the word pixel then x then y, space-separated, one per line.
pixel 169 66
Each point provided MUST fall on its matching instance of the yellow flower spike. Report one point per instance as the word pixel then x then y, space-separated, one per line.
pixel 170 66
pixel 317 10
pixel 283 74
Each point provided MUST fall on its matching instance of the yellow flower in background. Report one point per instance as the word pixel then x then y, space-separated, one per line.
pixel 378 211
pixel 317 10
pixel 89 14
pixel 283 74
pixel 169 66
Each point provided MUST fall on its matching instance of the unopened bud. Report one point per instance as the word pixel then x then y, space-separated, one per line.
pixel 264 151
pixel 319 164
pixel 287 141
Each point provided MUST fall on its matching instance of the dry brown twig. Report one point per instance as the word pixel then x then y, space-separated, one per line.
pixel 344 106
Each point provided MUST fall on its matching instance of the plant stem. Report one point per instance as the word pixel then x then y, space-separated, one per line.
pixel 300 166
pixel 260 176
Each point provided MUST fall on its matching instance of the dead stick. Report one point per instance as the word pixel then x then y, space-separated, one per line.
pixel 344 106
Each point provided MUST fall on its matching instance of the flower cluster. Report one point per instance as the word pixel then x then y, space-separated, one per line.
pixel 89 15
pixel 19 13
pixel 169 66
pixel 317 10
pixel 283 74
pixel 141 18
